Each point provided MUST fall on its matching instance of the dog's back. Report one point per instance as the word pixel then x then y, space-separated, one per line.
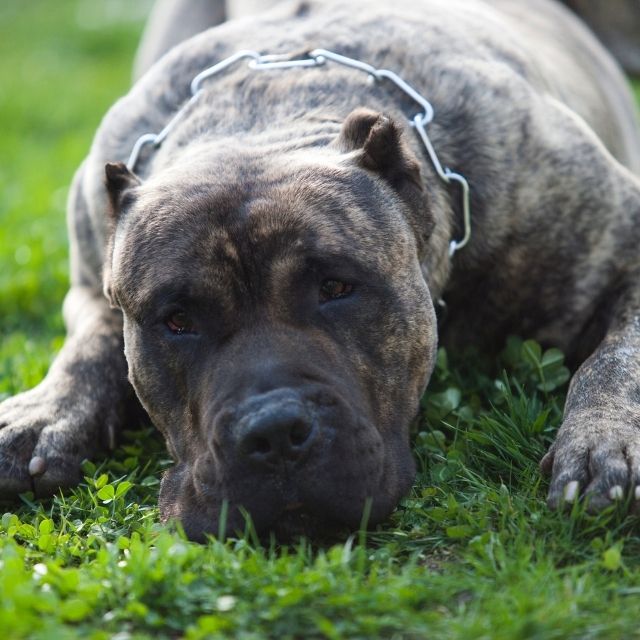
pixel 554 50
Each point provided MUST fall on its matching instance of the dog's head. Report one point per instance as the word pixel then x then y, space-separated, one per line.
pixel 278 328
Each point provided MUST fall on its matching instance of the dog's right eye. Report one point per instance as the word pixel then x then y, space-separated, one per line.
pixel 180 323
pixel 334 289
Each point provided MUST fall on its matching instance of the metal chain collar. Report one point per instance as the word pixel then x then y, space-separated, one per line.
pixel 317 58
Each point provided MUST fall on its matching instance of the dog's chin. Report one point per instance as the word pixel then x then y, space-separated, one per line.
pixel 286 527
pixel 293 524
pixel 287 516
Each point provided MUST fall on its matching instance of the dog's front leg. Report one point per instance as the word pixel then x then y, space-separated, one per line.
pixel 597 450
pixel 78 408
pixel 585 208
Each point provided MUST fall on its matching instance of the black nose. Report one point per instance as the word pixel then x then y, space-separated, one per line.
pixel 275 432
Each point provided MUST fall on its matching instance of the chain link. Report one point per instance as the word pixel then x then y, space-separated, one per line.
pixel 317 58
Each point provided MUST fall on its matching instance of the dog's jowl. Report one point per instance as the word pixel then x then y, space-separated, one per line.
pixel 263 281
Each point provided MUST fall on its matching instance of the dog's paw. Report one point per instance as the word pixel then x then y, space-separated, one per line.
pixel 598 464
pixel 44 437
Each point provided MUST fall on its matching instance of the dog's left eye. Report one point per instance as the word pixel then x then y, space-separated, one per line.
pixel 334 289
pixel 180 323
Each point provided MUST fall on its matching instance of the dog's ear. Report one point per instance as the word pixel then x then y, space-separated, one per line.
pixel 378 144
pixel 119 181
pixel 382 148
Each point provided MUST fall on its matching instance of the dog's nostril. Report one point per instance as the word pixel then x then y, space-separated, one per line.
pixel 299 433
pixel 261 445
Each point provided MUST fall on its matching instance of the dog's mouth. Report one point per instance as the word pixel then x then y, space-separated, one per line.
pixel 322 496
pixel 293 506
pixel 296 521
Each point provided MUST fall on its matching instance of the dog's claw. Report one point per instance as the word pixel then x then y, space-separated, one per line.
pixel 616 492
pixel 571 491
pixel 37 466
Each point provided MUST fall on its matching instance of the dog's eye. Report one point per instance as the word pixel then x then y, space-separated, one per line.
pixel 180 323
pixel 334 289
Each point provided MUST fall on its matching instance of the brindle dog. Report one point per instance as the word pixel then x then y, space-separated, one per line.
pixel 270 272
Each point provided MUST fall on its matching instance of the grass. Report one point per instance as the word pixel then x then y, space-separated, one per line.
pixel 473 552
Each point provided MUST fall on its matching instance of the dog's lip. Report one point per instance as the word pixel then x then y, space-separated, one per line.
pixel 293 506
pixel 296 520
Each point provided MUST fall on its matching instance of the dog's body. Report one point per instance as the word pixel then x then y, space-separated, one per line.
pixel 277 263
pixel 617 24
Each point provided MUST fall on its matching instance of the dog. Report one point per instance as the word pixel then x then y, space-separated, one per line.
pixel 262 278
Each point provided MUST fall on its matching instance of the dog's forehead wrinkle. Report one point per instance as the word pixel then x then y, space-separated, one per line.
pixel 246 220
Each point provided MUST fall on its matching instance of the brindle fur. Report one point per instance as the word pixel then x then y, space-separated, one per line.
pixel 615 22
pixel 276 181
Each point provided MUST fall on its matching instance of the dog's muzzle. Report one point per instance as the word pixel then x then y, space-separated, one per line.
pixel 273 429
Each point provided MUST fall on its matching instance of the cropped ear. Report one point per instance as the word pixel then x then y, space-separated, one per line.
pixel 119 182
pixel 383 149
